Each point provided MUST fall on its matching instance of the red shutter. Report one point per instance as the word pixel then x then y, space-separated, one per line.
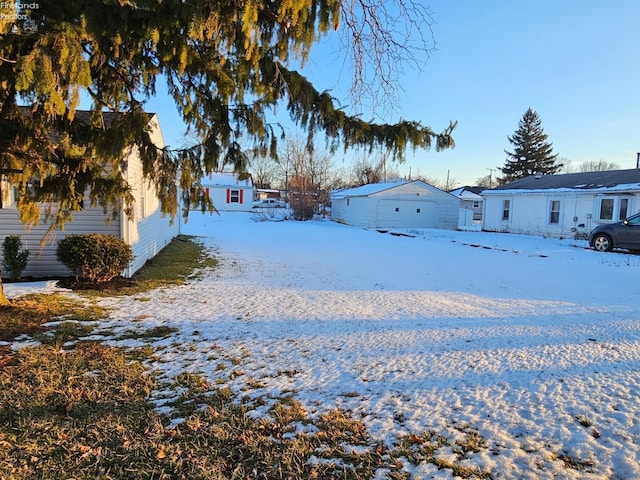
pixel 228 195
pixel 241 192
pixel 208 192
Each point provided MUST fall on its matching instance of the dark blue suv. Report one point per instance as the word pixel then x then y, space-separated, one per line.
pixel 625 234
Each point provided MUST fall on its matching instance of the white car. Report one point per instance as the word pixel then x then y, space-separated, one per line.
pixel 269 203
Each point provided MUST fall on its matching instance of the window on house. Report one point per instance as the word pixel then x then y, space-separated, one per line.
pixel 234 197
pixel 347 202
pixel 606 209
pixel 476 204
pixel 417 210
pixel 613 209
pixel 554 215
pixel 7 194
pixel 397 209
pixel 624 207
pixel 506 210
pixel 142 201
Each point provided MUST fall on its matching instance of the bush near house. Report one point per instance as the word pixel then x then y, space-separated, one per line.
pixel 94 257
pixel 14 257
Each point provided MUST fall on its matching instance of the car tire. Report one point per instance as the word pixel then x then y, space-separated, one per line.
pixel 602 243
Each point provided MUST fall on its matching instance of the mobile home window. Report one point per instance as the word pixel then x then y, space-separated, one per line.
pixel 506 210
pixel 554 215
pixel 624 207
pixel 606 208
pixel 234 197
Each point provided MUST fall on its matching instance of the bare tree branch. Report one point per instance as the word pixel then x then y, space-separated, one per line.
pixel 383 38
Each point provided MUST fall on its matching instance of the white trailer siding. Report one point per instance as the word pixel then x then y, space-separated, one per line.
pixel 548 213
pixel 564 205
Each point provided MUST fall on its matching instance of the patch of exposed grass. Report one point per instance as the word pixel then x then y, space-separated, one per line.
pixel 573 462
pixel 28 314
pixel 160 331
pixel 183 258
pixel 87 413
pixel 62 412
pixel 424 448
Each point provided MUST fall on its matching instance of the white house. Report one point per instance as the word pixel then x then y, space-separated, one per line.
pixel 404 204
pixel 230 191
pixel 562 205
pixel 147 233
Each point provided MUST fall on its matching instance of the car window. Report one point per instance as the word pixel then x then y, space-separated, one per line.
pixel 634 220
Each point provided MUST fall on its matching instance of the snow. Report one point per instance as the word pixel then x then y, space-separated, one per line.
pixel 591 188
pixel 13 290
pixel 534 343
pixel 366 190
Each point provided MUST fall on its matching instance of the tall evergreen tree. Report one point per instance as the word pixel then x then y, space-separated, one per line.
pixel 226 64
pixel 532 153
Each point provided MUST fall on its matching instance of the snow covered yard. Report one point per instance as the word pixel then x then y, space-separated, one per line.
pixel 532 343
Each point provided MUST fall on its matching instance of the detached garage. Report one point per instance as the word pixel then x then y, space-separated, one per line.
pixel 405 204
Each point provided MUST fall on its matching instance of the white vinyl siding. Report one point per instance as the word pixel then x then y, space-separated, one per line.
pixel 147 233
pixel 43 261
pixel 532 213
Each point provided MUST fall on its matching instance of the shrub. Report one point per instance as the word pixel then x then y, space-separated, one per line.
pixel 303 208
pixel 94 257
pixel 14 257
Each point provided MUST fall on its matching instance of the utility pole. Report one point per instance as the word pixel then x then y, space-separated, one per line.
pixel 490 177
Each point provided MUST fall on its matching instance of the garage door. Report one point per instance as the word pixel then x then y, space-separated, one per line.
pixel 407 214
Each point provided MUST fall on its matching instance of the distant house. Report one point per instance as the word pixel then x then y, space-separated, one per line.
pixel 147 233
pixel 404 204
pixel 230 191
pixel 562 205
pixel 470 200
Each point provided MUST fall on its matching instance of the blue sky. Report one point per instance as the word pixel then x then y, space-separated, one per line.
pixel 575 62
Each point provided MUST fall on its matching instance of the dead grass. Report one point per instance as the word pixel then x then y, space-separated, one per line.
pixel 26 315
pixel 87 413
pixel 182 259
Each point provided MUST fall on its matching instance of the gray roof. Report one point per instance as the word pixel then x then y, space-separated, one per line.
pixel 580 181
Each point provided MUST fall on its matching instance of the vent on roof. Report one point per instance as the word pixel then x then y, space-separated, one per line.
pixel 538 175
